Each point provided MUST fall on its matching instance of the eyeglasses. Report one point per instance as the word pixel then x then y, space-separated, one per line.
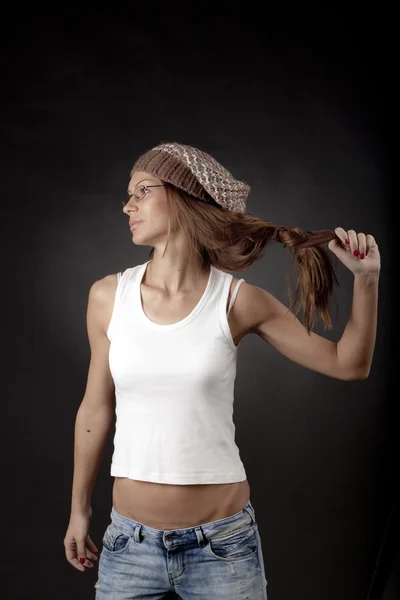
pixel 140 193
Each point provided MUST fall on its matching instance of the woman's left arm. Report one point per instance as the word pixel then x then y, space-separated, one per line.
pixel 349 359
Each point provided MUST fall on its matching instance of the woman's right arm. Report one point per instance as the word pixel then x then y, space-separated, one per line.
pixel 94 420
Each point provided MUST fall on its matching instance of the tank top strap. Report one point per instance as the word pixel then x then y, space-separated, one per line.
pixel 235 292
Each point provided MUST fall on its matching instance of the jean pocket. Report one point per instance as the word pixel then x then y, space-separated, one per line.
pixel 237 545
pixel 116 540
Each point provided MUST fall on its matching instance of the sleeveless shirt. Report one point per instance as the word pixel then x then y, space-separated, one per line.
pixel 174 388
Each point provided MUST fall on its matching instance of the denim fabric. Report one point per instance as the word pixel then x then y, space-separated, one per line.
pixel 219 560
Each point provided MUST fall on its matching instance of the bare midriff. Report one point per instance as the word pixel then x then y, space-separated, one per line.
pixel 166 506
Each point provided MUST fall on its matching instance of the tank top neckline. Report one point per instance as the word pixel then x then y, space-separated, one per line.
pixel 182 322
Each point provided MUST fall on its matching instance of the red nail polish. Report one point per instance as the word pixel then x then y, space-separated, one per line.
pixel 346 241
pixel 82 560
pixel 362 255
pixel 355 252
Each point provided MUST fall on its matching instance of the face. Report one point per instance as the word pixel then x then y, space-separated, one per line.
pixel 148 205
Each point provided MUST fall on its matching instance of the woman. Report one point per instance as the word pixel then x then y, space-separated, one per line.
pixel 164 338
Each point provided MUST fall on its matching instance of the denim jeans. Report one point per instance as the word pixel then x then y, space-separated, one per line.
pixel 219 560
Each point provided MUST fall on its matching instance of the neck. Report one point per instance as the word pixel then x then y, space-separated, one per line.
pixel 176 275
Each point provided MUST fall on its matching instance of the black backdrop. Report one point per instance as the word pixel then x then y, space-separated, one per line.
pixel 300 105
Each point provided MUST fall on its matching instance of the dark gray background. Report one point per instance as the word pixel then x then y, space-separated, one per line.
pixel 299 105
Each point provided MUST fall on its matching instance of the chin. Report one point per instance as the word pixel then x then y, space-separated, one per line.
pixel 141 241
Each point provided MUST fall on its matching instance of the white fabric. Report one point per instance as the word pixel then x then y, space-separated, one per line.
pixel 174 388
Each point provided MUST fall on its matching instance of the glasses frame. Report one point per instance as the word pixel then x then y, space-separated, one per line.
pixel 146 191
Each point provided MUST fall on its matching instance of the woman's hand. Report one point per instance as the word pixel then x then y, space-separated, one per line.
pixel 357 251
pixel 77 541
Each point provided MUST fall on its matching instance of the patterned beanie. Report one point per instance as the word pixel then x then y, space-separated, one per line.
pixel 195 172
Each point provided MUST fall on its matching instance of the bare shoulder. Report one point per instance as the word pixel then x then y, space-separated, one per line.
pixel 251 306
pixel 101 298
pixel 102 289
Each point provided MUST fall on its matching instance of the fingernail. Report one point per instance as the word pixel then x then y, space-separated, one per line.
pixel 362 255
pixel 355 252
pixel 346 241
pixel 82 560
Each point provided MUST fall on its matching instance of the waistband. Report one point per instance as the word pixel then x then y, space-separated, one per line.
pixel 200 533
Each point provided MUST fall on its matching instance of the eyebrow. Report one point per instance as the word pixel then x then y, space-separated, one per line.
pixel 145 179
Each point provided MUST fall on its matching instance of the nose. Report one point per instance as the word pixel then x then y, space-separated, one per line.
pixel 129 206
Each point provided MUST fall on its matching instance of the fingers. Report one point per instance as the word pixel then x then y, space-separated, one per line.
pixel 90 543
pixel 370 241
pixel 362 245
pixel 75 552
pixel 70 553
pixel 358 244
pixel 86 556
pixel 81 555
pixel 90 550
pixel 353 239
pixel 341 233
pixel 89 558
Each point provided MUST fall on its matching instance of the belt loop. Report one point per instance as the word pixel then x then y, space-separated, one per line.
pixel 136 533
pixel 200 536
pixel 250 510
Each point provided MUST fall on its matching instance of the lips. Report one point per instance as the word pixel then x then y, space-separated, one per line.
pixel 134 224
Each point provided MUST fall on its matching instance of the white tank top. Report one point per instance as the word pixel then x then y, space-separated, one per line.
pixel 174 388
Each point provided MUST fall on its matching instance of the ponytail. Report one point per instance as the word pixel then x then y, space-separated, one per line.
pixel 315 274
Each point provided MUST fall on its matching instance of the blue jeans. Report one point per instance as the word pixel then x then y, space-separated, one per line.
pixel 219 560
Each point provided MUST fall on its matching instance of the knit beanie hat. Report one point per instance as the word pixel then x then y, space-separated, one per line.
pixel 195 172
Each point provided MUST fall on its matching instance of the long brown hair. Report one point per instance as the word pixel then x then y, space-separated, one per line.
pixel 232 241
